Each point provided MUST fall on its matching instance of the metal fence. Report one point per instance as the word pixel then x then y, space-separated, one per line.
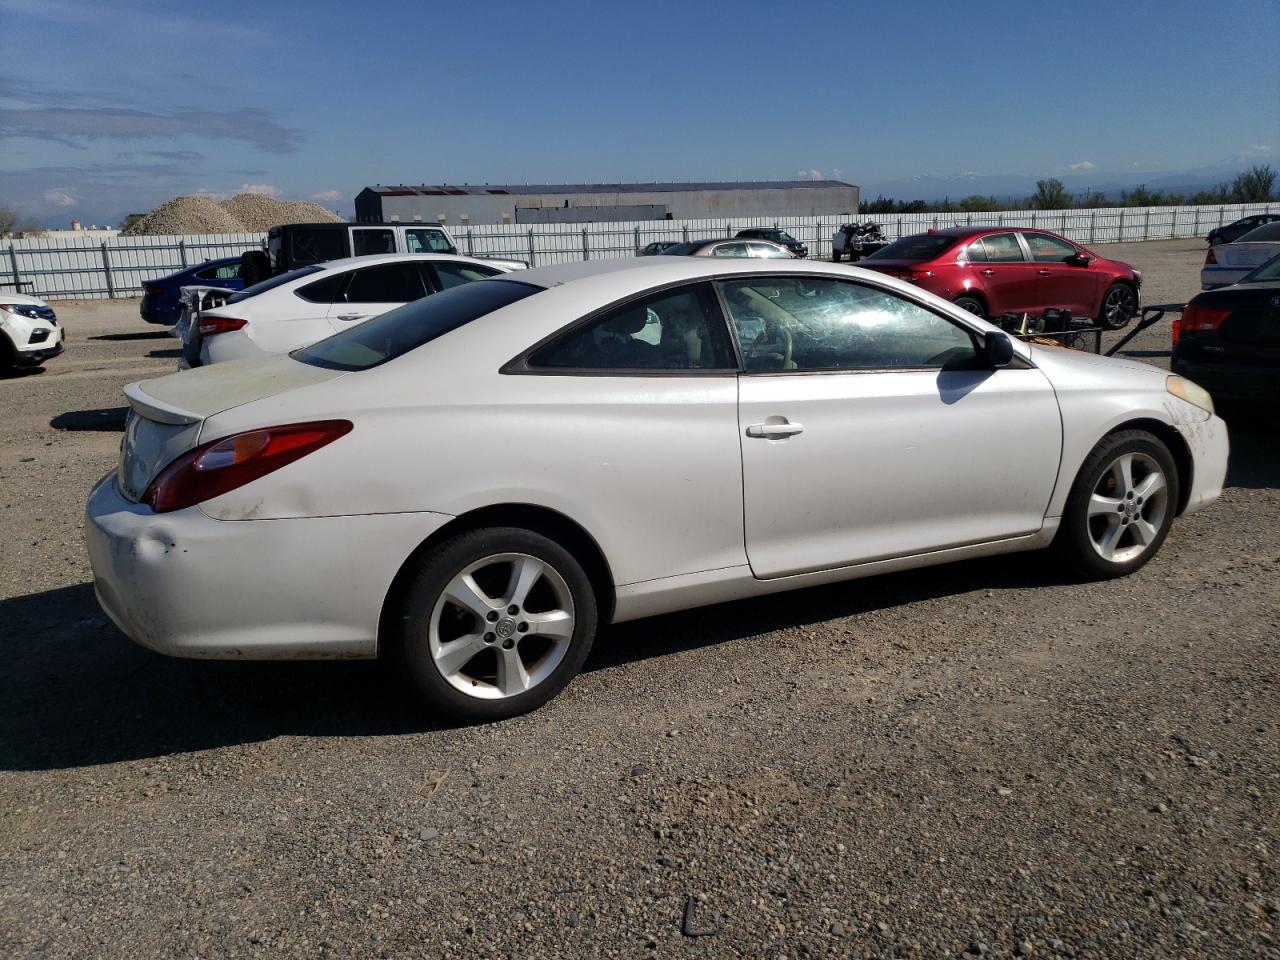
pixel 85 269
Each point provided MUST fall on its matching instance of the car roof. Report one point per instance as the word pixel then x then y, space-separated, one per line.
pixel 652 271
pixel 373 259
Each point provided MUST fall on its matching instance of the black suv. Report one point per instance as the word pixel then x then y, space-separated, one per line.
pixel 777 236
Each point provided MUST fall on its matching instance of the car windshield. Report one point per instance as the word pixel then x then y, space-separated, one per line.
pixel 406 328
pixel 684 249
pixel 920 246
pixel 271 284
pixel 1267 233
pixel 1268 271
pixel 784 237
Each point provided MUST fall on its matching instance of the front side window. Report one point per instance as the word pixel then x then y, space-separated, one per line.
pixel 364 242
pixel 452 274
pixel 421 240
pixel 677 329
pixel 1047 249
pixel 227 271
pixel 406 328
pixel 788 323
pixel 386 283
pixel 765 250
pixel 1003 248
pixel 784 237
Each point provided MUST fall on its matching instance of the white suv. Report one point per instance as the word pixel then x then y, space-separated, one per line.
pixel 29 331
pixel 310 303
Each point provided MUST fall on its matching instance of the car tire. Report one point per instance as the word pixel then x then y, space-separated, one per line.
pixel 8 362
pixel 972 305
pixel 1120 507
pixel 255 266
pixel 835 256
pixel 1119 306
pixel 468 640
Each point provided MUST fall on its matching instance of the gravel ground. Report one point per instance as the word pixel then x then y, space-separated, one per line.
pixel 979 759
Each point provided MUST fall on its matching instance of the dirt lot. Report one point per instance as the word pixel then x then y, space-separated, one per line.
pixel 979 759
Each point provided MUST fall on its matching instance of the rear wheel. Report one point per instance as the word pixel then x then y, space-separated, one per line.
pixel 1121 506
pixel 973 305
pixel 1119 304
pixel 835 255
pixel 495 623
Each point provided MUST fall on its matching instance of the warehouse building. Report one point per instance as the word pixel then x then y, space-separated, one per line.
pixel 605 202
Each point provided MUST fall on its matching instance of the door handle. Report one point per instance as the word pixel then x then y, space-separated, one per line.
pixel 351 316
pixel 988 272
pixel 774 431
pixel 1043 273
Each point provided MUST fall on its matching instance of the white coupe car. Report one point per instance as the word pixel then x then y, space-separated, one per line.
pixel 473 483
pixel 311 303
pixel 1227 263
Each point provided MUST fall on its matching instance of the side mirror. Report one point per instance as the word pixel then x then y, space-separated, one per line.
pixel 997 350
pixel 1079 259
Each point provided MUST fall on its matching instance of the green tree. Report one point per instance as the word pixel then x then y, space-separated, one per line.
pixel 1050 195
pixel 12 223
pixel 1093 200
pixel 130 220
pixel 1254 185
pixel 1219 194
pixel 977 203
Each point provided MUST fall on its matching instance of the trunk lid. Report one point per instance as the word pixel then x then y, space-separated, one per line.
pixel 166 414
pixel 1245 255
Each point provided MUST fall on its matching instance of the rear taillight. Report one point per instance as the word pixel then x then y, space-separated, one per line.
pixel 221 466
pixel 914 275
pixel 209 326
pixel 1198 319
pixel 1210 257
pixel 150 291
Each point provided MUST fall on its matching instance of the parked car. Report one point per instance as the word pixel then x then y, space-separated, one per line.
pixel 857 240
pixel 1232 232
pixel 313 302
pixel 774 235
pixel 729 248
pixel 473 483
pixel 1228 339
pixel 995 271
pixel 657 247
pixel 161 297
pixel 1230 262
pixel 29 331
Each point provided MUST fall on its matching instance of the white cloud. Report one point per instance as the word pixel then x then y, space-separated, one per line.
pixel 1082 166
pixel 809 174
pixel 206 192
pixel 328 196
pixel 1259 151
pixel 263 189
pixel 59 198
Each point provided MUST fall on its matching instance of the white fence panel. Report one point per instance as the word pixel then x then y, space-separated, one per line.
pixel 90 268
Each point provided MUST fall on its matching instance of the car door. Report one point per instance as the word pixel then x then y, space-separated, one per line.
pixel 1066 282
pixel 292 317
pixel 1010 282
pixel 376 289
pixel 869 429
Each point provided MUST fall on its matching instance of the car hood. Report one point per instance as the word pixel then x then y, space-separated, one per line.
pixel 1060 361
pixel 7 297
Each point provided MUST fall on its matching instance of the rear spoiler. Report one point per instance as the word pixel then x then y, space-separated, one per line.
pixel 157 410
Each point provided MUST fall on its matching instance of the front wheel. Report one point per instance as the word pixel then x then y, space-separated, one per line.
pixel 1119 304
pixel 495 623
pixel 1121 506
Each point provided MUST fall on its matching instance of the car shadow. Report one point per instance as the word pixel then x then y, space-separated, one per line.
pixel 150 335
pixel 165 354
pixel 20 373
pixel 107 419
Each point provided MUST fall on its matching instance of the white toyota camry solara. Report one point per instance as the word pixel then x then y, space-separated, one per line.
pixel 473 483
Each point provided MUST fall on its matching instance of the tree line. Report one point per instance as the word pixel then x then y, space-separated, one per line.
pixel 1256 185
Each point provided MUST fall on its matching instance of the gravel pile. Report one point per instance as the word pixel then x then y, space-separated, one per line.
pixel 243 213
pixel 257 213
pixel 186 215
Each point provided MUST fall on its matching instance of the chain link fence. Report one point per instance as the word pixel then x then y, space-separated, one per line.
pixel 90 268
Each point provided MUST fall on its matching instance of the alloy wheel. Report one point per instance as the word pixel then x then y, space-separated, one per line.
pixel 1128 507
pixel 501 626
pixel 1119 307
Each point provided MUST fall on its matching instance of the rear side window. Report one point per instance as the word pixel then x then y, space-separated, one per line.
pixel 325 290
pixel 730 250
pixel 1003 248
pixel 921 246
pixel 227 271
pixel 406 328
pixel 679 329
pixel 976 252
pixel 453 274
pixel 368 241
pixel 316 246
pixel 386 283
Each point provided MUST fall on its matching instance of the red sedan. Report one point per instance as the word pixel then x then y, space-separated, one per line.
pixel 995 271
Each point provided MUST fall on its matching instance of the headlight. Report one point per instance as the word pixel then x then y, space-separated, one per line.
pixel 22 309
pixel 1193 393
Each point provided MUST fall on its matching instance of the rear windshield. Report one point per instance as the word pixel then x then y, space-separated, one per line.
pixel 271 284
pixel 1268 271
pixel 406 328
pixel 684 249
pixel 1270 231
pixel 922 246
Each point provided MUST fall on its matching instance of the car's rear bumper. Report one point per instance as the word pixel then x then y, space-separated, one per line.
pixel 187 585
pixel 1233 381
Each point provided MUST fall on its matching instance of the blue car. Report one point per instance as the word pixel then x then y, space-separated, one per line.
pixel 160 297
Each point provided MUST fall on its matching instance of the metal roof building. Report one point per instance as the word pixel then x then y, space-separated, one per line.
pixel 604 202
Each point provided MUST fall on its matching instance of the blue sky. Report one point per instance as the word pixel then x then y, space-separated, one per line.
pixel 111 107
